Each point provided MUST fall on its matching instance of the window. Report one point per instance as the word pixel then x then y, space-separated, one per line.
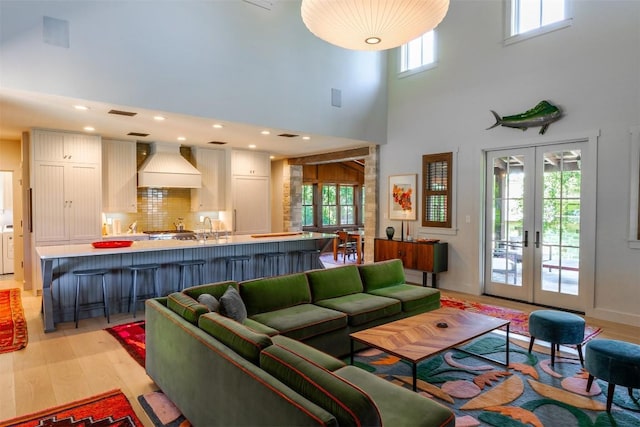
pixel 418 54
pixel 530 18
pixel 338 204
pixel 347 205
pixel 307 206
pixel 436 190
pixel 362 205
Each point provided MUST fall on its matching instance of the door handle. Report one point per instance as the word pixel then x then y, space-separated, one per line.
pixel 235 223
pixel 537 242
pixel 526 239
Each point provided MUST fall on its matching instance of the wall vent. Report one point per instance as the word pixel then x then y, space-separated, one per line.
pixel 216 142
pixel 288 135
pixel 122 113
pixel 137 134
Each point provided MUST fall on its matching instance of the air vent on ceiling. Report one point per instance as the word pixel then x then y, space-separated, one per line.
pixel 288 135
pixel 216 142
pixel 137 134
pixel 122 113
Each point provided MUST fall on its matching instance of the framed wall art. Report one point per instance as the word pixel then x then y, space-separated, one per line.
pixel 403 197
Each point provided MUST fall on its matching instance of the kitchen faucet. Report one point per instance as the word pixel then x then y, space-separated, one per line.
pixel 210 227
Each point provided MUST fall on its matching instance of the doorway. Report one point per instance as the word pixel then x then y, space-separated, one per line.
pixel 540 224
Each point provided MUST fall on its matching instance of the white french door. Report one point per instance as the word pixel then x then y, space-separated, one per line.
pixel 539 231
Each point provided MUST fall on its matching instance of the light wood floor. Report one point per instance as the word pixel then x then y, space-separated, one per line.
pixel 71 364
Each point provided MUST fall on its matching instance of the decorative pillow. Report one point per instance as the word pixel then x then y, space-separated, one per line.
pixel 232 306
pixel 210 301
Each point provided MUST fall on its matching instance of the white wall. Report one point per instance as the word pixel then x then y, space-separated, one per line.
pixel 228 60
pixel 591 69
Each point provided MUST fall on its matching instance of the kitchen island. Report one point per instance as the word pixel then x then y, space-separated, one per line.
pixel 57 264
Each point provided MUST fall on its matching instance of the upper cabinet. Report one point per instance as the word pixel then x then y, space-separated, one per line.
pixel 119 188
pixel 212 165
pixel 67 188
pixel 56 146
pixel 250 163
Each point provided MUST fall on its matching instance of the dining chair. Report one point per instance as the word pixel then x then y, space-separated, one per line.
pixel 346 245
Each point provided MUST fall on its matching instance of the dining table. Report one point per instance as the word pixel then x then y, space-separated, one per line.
pixel 358 235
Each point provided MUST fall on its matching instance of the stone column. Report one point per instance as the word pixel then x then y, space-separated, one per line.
pixel 292 197
pixel 371 201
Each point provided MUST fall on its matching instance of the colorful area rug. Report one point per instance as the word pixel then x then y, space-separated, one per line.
pixel 161 411
pixel 529 393
pixel 131 336
pixel 111 409
pixel 13 325
pixel 519 319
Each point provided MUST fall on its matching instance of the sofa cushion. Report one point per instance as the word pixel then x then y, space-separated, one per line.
pixel 381 274
pixel 303 321
pixel 349 404
pixel 398 406
pixel 413 297
pixel 310 353
pixel 274 293
pixel 334 282
pixel 185 306
pixel 216 289
pixel 232 306
pixel 363 308
pixel 260 327
pixel 210 301
pixel 234 335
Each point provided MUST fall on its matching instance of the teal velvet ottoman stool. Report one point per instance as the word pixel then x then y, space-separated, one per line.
pixel 616 362
pixel 557 327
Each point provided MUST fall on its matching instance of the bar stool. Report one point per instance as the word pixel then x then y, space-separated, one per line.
pixel 133 295
pixel 303 256
pixel 231 263
pixel 269 261
pixel 105 301
pixel 190 263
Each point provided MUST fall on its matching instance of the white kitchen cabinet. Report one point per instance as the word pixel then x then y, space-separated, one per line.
pixel 251 205
pixel 66 202
pixel 67 189
pixel 250 163
pixel 119 174
pixel 56 146
pixel 212 165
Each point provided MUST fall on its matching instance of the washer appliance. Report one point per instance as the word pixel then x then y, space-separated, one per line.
pixel 6 264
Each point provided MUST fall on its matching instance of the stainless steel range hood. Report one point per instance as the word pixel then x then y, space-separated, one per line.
pixel 165 167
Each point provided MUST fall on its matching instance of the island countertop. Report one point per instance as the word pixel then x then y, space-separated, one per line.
pixel 58 263
pixel 86 249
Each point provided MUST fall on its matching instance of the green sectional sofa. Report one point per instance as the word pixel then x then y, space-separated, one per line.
pixel 268 356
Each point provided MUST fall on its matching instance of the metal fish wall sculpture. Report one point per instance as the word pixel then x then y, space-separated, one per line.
pixel 542 114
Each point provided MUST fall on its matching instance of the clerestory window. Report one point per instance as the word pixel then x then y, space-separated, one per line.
pixel 418 55
pixel 530 18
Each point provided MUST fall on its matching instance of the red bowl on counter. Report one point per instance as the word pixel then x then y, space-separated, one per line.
pixel 111 244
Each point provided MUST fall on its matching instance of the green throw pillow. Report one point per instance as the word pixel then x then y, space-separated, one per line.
pixel 186 306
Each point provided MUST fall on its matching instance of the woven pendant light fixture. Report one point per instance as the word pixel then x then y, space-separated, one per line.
pixel 372 24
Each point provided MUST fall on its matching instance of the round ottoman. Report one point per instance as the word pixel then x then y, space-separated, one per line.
pixel 616 362
pixel 556 327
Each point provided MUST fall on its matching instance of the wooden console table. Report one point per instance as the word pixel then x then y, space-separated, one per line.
pixel 426 257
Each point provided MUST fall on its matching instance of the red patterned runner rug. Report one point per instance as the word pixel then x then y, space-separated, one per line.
pixel 131 336
pixel 110 409
pixel 519 319
pixel 13 325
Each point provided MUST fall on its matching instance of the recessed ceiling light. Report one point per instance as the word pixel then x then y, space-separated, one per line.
pixel 81 107
pixel 159 118
pixel 89 128
pixel 182 138
pixel 218 126
pixel 265 132
pixel 306 138
pixel 252 146
pixel 272 157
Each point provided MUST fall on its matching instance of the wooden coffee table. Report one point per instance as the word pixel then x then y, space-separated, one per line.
pixel 418 337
